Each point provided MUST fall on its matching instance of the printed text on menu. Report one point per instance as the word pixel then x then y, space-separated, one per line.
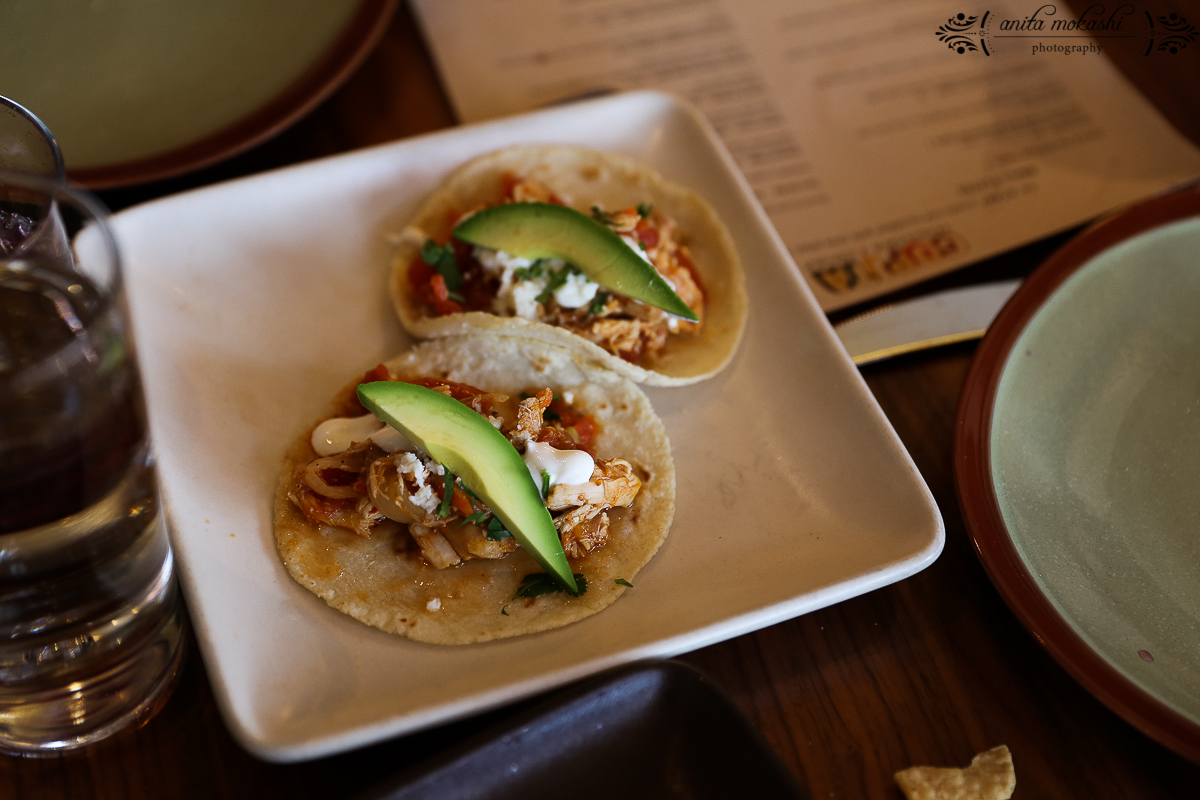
pixel 882 155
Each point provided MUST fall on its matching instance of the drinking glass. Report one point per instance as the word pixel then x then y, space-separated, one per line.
pixel 91 627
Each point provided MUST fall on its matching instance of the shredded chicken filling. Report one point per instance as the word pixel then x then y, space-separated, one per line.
pixel 500 284
pixel 365 489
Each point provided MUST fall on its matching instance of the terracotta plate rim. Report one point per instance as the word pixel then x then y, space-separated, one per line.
pixel 976 491
pixel 351 47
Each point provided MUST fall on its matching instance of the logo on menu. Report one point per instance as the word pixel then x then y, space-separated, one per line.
pixel 886 259
pixel 1045 30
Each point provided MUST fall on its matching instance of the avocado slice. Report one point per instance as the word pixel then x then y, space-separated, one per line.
pixel 464 442
pixel 547 230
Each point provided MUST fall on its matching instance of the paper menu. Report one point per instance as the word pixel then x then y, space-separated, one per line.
pixel 882 156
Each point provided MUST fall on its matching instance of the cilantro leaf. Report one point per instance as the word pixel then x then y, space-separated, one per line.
pixel 598 303
pixel 475 519
pixel 645 210
pixel 534 270
pixel 493 528
pixel 442 259
pixel 431 252
pixel 556 281
pixel 600 215
pixel 545 484
pixel 496 530
pixel 623 582
pixel 539 583
pixel 445 508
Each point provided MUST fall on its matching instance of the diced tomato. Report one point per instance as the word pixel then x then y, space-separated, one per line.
pixel 647 234
pixel 442 303
pixel 441 292
pixel 353 408
pixel 419 274
pixel 586 428
pixel 561 413
pixel 566 414
pixel 430 288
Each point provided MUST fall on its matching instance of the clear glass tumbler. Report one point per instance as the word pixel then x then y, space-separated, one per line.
pixel 91 626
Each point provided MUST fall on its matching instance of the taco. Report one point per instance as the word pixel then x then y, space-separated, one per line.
pixel 443 286
pixel 449 573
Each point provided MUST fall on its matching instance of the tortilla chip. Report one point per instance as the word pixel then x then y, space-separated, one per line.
pixel 382 581
pixel 584 178
pixel 990 777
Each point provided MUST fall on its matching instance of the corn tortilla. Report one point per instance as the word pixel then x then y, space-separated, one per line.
pixel 584 178
pixel 372 580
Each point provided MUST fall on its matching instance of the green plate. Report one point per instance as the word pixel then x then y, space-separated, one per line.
pixel 136 90
pixel 1078 459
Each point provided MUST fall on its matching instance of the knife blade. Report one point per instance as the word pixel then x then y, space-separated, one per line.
pixel 954 315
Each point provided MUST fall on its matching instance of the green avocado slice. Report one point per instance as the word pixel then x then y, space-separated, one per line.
pixel 464 442
pixel 547 230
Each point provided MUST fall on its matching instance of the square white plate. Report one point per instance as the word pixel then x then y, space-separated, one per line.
pixel 255 300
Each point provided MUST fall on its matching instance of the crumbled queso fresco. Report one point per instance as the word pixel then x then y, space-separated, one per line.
pixel 425 498
pixel 518 292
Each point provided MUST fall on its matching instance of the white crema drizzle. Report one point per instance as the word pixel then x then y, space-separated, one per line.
pixel 335 435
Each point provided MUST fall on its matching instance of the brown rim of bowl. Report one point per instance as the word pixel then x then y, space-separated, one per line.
pixel 977 496
pixel 357 39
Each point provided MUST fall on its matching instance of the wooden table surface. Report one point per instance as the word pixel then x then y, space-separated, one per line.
pixel 928 671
